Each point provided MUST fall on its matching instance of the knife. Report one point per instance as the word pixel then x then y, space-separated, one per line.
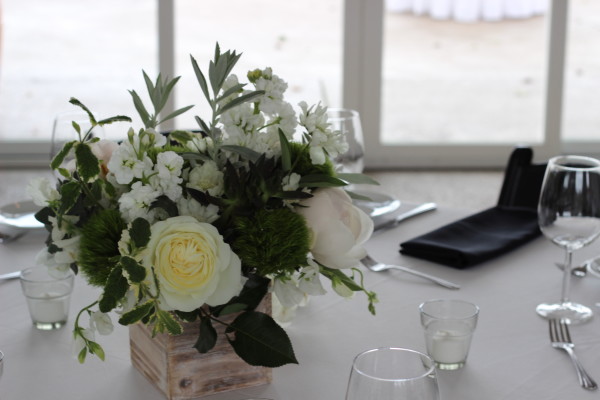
pixel 10 275
pixel 423 208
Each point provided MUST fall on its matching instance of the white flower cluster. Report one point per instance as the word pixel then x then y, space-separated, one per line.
pixel 322 139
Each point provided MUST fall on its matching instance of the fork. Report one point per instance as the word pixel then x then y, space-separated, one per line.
pixel 376 266
pixel 561 339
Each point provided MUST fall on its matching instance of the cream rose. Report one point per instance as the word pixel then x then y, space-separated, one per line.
pixel 338 228
pixel 192 263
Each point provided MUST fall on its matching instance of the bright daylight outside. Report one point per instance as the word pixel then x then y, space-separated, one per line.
pixel 444 80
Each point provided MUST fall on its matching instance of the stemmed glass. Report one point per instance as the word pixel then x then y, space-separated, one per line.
pixel 392 373
pixel 569 215
pixel 348 122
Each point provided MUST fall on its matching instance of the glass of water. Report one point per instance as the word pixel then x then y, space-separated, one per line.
pixel 48 294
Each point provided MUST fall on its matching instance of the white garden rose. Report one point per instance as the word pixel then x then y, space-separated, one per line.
pixel 338 228
pixel 192 263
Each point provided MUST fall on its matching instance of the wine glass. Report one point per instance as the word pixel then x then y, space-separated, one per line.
pixel 569 215
pixel 392 373
pixel 348 123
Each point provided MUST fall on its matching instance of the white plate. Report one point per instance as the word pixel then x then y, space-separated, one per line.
pixel 380 204
pixel 19 216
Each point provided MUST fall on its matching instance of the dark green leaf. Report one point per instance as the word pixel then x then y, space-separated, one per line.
pixel 240 100
pixel 166 204
pixel 140 232
pixel 60 157
pixel 136 272
pixel 87 163
pixel 253 292
pixel 292 195
pixel 114 290
pixel 79 104
pixel 207 337
pixel 117 118
pixel 320 180
pixel 233 308
pixel 44 214
pixel 286 158
pixel 170 324
pixel 357 179
pixel 259 340
pixel 135 315
pixel 187 316
pixel 69 193
pixel 245 152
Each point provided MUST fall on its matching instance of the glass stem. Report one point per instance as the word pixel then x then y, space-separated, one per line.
pixel 566 276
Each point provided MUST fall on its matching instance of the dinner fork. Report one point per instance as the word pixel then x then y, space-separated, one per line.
pixel 376 266
pixel 561 339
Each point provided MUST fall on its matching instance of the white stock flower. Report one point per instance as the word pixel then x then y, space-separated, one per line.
pixel 323 141
pixel 288 293
pixel 338 228
pixel 274 88
pixel 168 175
pixel 192 208
pixel 101 323
pixel 285 120
pixel 290 182
pixel 207 178
pixel 136 203
pixel 42 191
pixel 192 263
pixel 310 282
pixel 126 166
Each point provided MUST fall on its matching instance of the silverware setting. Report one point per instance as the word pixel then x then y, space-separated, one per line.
pixel 561 339
pixel 423 208
pixel 375 266
pixel 10 275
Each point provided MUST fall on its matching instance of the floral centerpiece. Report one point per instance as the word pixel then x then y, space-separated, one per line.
pixel 191 225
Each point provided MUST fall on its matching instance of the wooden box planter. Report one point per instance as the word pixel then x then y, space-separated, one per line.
pixel 175 367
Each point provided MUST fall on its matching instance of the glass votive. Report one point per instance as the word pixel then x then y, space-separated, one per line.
pixel 48 294
pixel 449 327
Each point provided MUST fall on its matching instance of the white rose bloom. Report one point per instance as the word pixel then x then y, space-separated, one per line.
pixel 101 322
pixel 192 263
pixel 338 228
pixel 136 203
pixel 207 178
pixel 42 191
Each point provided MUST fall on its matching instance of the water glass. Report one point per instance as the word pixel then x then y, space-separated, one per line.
pixel 348 123
pixel 392 373
pixel 48 294
pixel 449 327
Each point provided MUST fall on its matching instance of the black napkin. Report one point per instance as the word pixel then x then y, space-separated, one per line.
pixel 477 238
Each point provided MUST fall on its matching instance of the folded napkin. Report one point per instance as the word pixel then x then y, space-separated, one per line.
pixel 476 238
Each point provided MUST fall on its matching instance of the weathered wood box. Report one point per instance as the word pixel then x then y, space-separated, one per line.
pixel 175 367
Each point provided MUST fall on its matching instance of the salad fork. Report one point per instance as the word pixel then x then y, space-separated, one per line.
pixel 376 266
pixel 561 339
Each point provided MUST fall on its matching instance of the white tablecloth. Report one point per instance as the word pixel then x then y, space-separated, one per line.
pixel 510 358
pixel 471 10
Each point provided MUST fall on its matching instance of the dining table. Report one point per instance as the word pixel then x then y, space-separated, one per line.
pixel 510 356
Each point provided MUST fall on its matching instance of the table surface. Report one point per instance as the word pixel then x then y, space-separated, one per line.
pixel 510 356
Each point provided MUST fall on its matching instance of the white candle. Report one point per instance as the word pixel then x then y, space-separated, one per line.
pixel 49 306
pixel 448 341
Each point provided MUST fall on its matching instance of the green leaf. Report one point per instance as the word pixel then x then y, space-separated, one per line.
pixel 69 193
pixel 96 349
pixel 207 337
pixel 76 126
pixel 286 158
pixel 60 157
pixel 357 179
pixel 201 79
pixel 44 214
pixel 140 232
pixel 136 272
pixel 202 124
pixel 79 104
pixel 234 89
pixel 180 136
pixel 187 316
pixel 233 308
pixel 114 290
pixel 175 113
pixel 253 292
pixel 166 204
pixel 240 100
pixel 292 195
pixel 259 340
pixel 135 315
pixel 87 163
pixel 166 320
pixel 82 354
pixel 320 180
pixel 139 106
pixel 195 156
pixel 164 92
pixel 333 273
pixel 245 152
pixel 117 118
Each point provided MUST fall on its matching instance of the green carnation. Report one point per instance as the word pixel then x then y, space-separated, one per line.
pixel 98 247
pixel 272 241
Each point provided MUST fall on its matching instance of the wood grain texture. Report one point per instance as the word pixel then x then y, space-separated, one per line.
pixel 175 367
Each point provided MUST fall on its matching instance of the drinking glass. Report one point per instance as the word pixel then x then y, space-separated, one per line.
pixel 348 122
pixel 392 373
pixel 569 215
